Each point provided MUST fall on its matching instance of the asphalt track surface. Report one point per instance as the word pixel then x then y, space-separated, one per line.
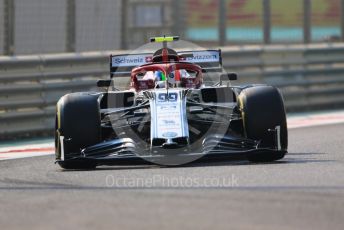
pixel 305 190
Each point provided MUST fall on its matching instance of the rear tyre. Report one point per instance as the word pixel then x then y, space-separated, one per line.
pixel 77 119
pixel 262 109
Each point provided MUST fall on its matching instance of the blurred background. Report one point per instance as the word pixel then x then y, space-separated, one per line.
pixel 48 26
pixel 52 47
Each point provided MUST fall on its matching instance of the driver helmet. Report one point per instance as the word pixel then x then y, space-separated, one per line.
pixel 160 79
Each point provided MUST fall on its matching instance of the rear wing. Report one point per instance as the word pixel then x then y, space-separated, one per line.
pixel 209 60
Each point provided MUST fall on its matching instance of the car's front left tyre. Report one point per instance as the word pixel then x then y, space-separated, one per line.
pixel 262 109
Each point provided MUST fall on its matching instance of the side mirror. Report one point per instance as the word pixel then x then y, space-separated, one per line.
pixel 104 83
pixel 229 77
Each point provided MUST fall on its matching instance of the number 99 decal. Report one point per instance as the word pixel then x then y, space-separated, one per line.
pixel 169 97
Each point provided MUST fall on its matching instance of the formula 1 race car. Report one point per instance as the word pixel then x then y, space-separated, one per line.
pixel 169 115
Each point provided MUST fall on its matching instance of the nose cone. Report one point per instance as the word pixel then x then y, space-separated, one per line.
pixel 168 117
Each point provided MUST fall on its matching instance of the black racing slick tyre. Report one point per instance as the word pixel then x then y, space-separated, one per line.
pixel 262 109
pixel 78 121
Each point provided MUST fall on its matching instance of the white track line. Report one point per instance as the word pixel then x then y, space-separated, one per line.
pixel 30 150
pixel 315 119
pixel 294 121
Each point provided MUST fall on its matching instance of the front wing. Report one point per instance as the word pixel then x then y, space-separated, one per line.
pixel 123 151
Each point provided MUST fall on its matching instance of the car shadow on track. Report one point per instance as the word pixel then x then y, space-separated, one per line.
pixel 291 158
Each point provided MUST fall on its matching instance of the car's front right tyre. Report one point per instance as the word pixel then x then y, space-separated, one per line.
pixel 78 122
